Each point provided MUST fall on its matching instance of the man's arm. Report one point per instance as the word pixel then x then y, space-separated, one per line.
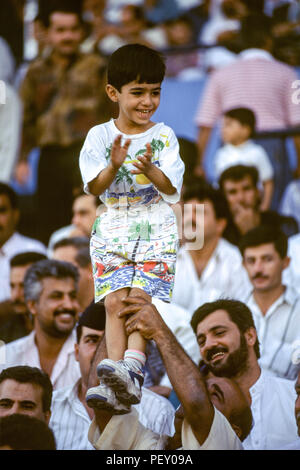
pixel 297 146
pixel 183 373
pixel 202 140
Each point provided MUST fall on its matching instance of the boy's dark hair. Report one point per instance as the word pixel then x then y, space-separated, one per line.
pixel 32 375
pixel 22 259
pixel 23 432
pixel 265 234
pixel 135 62
pixel 201 190
pixel 10 193
pixel 237 173
pixel 238 312
pixel 244 116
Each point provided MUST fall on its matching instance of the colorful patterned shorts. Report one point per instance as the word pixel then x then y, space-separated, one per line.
pixel 135 248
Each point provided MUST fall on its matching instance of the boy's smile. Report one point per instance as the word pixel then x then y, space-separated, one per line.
pixel 137 104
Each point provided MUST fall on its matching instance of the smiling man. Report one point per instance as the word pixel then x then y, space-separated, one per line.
pixel 275 306
pixel 229 348
pixel 50 289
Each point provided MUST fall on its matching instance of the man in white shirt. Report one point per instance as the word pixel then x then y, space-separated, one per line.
pixel 214 415
pixel 291 275
pixel 229 348
pixel 25 390
pixel 275 307
pixel 11 242
pixel 215 269
pixel 50 289
pixel 71 417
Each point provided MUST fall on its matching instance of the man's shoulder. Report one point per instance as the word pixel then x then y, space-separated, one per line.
pixel 27 243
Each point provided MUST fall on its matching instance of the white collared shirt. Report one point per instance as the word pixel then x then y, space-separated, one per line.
pixel 223 276
pixel 291 275
pixel 70 421
pixel 277 330
pixel 24 351
pixel 16 244
pixel 273 402
pixel 248 153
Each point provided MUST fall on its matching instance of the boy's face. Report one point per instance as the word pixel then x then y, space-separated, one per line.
pixel 233 132
pixel 137 104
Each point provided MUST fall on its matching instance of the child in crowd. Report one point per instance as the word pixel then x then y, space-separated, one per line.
pixel 134 165
pixel 237 129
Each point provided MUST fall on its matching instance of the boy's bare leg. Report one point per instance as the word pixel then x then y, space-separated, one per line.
pixel 116 339
pixel 135 340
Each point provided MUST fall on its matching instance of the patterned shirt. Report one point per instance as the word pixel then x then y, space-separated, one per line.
pixel 61 105
pixel 136 190
pixel 256 81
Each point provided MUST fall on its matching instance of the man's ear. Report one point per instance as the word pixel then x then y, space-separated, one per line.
pixel 76 351
pixel 237 430
pixel 31 304
pixel 112 93
pixel 251 336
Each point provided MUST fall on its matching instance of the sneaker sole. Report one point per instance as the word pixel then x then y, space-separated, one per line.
pixel 115 383
pixel 94 401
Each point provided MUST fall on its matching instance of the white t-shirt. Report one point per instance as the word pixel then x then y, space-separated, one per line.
pixel 137 189
pixel 249 154
pixel 127 433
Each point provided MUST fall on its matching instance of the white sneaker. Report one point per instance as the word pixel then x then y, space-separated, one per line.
pixel 124 378
pixel 102 397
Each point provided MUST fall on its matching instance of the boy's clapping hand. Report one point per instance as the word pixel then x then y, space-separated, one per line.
pixel 119 152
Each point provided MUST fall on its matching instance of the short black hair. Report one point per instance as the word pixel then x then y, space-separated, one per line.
pixel 135 62
pixel 92 317
pixel 23 432
pixel 11 194
pixel 238 312
pixel 202 190
pixel 62 6
pixel 33 375
pixel 22 259
pixel 265 234
pixel 244 116
pixel 81 244
pixel 237 173
pixel 255 30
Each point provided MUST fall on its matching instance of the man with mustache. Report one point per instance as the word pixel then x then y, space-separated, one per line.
pixel 229 348
pixel 17 321
pixel 275 306
pixel 239 184
pixel 63 96
pixel 50 289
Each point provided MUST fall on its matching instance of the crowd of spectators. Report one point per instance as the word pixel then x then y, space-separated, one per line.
pixel 236 296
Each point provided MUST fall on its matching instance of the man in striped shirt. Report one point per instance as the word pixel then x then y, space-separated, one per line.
pixel 261 83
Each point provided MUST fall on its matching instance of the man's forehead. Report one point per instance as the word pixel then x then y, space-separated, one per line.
pixel 13 387
pixel 263 249
pixel 245 181
pixel 214 319
pixel 86 331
